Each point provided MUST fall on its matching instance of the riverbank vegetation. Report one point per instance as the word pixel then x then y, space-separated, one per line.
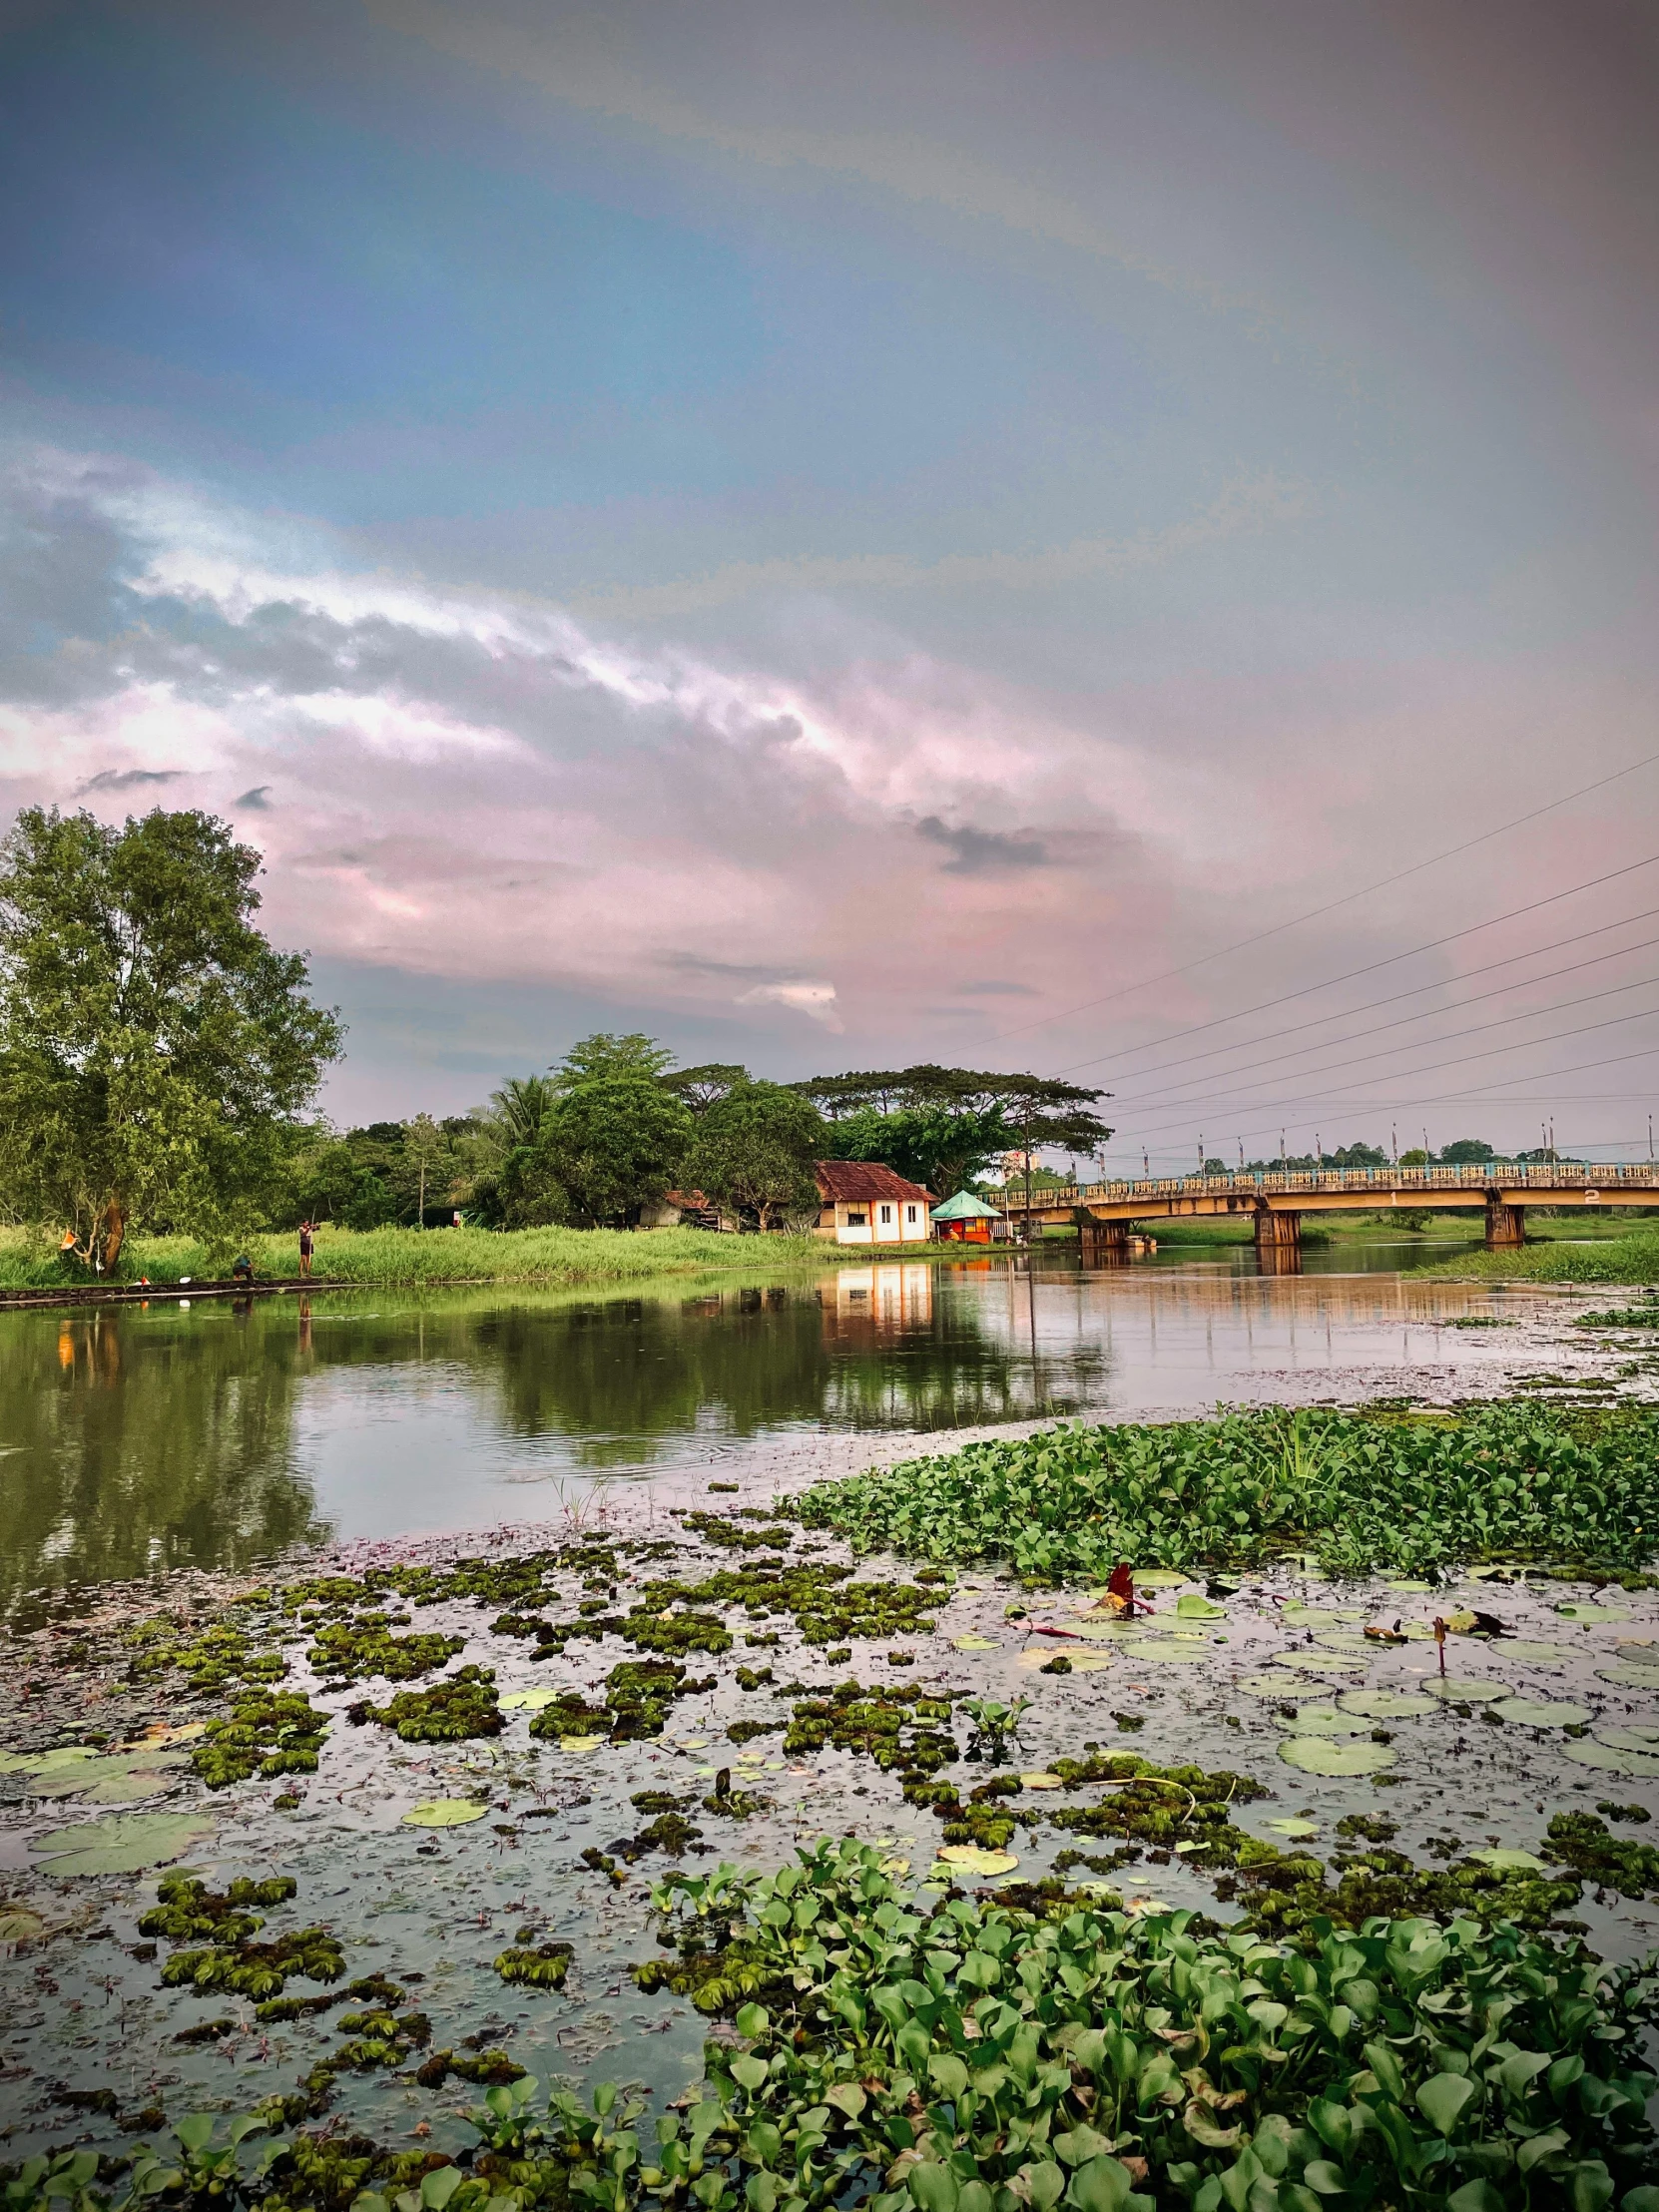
pixel 1615 1253
pixel 415 1256
pixel 1411 1492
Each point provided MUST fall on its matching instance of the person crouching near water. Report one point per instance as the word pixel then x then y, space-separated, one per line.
pixel 305 1234
pixel 241 1269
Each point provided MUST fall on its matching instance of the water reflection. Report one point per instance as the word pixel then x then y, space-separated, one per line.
pixel 137 1438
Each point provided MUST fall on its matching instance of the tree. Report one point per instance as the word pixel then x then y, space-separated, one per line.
pixel 949 1123
pixel 427 1152
pixel 704 1086
pixel 608 1147
pixel 604 1058
pixel 753 1149
pixel 154 1049
pixel 1467 1152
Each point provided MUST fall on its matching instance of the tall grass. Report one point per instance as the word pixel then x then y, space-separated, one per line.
pixel 413 1256
pixel 1631 1258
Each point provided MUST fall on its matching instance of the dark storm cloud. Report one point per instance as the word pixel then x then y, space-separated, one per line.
pixel 983 851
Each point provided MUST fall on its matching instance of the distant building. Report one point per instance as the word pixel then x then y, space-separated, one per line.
pixel 861 1202
pixel 965 1219
pixel 684 1210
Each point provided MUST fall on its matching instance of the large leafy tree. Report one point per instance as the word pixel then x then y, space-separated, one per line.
pixel 943 1126
pixel 753 1151
pixel 155 1048
pixel 608 1147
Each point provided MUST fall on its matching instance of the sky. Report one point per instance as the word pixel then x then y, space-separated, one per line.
pixel 1109 539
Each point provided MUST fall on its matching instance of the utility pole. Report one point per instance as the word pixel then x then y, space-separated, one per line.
pixel 1650 1140
pixel 1201 1156
pixel 1319 1153
pixel 1280 1151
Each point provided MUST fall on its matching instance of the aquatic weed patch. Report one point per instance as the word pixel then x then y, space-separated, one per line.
pixel 464 1705
pixel 1495 1481
pixel 268 1733
pixel 348 1651
pixel 230 1962
pixel 897 1728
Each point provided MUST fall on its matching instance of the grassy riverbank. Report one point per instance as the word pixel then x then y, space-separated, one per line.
pixel 411 1255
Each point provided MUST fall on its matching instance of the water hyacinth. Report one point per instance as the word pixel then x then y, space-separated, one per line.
pixel 1417 1493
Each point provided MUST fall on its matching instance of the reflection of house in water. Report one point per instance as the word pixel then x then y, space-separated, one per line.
pixel 896 1297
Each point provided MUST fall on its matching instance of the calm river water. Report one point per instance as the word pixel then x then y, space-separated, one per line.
pixel 138 1438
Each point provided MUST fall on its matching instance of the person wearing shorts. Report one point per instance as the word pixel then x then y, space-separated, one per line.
pixel 304 1248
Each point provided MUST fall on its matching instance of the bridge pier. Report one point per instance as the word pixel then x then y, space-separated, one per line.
pixel 1105 1244
pixel 1505 1224
pixel 1278 1242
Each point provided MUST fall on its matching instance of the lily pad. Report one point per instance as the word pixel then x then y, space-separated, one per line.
pixel 1325 1719
pixel 973 1643
pixel 20 1926
pixel 581 1743
pixel 1385 1705
pixel 1192 1607
pixel 530 1701
pixel 1106 1631
pixel 1608 1758
pixel 1307 1616
pixel 1296 1828
pixel 970 1859
pixel 1628 1676
pixel 1267 1685
pixel 1630 1737
pixel 1593 1612
pixel 445 1812
pixel 1405 1583
pixel 1042 1781
pixel 1457 1689
pixel 1534 1655
pixel 124 1778
pixel 1527 1712
pixel 1320 1662
pixel 1166 1651
pixel 1325 1755
pixel 1342 1639
pixel 1509 1862
pixel 124 1843
pixel 46 1762
pixel 1159 1578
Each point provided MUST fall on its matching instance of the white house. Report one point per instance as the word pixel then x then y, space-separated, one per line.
pixel 864 1203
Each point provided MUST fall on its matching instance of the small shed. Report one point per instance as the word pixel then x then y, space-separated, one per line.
pixel 964 1219
pixel 863 1202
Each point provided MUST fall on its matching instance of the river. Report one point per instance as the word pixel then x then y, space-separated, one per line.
pixel 139 1439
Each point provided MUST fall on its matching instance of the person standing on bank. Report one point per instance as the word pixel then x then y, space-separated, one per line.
pixel 305 1248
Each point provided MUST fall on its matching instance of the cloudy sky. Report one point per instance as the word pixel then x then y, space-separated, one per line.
pixel 848 533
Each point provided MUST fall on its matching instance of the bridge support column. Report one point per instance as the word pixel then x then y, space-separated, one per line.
pixel 1278 1242
pixel 1505 1224
pixel 1105 1244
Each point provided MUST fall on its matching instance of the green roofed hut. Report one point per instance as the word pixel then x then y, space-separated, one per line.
pixel 964 1219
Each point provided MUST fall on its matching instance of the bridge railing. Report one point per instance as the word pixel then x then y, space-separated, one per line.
pixel 1492 1175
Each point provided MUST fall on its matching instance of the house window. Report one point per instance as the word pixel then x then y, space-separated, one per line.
pixel 854 1221
pixel 910 1212
pixel 887 1213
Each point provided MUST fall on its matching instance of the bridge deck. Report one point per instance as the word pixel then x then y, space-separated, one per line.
pixel 1340 1189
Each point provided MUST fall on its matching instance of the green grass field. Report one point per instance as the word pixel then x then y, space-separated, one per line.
pixel 411 1255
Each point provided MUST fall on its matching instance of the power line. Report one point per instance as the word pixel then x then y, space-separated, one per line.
pixel 1425 1044
pixel 1207 1106
pixel 1392 960
pixel 1348 899
pixel 1431 1013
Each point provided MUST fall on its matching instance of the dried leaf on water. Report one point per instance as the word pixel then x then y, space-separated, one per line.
pixel 1509 1862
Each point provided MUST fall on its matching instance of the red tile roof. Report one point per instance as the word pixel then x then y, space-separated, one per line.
pixel 861 1182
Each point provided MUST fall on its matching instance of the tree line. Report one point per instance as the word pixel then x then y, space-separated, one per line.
pixel 160 1063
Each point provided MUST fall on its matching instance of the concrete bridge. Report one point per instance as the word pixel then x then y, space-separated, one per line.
pixel 1275 1203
